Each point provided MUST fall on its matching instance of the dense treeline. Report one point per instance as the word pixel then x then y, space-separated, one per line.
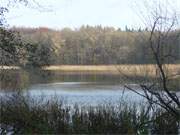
pixel 92 45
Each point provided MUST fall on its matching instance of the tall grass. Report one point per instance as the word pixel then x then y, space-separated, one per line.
pixel 127 69
pixel 114 69
pixel 24 115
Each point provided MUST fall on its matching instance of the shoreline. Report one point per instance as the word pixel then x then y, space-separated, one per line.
pixel 131 69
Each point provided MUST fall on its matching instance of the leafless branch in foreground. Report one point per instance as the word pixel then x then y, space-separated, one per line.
pixel 161 93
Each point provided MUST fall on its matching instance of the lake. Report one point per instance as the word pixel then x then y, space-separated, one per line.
pixel 72 88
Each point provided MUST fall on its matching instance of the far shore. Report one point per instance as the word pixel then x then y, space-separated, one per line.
pixel 131 69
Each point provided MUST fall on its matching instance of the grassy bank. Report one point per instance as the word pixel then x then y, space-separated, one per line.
pixel 131 70
pixel 23 115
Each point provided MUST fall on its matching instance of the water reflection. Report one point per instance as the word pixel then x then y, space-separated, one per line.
pixel 85 93
pixel 21 79
pixel 13 80
pixel 80 88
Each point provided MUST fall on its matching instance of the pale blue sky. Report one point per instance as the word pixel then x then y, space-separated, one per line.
pixel 74 13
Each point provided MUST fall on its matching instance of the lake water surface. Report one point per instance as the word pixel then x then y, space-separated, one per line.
pixel 72 88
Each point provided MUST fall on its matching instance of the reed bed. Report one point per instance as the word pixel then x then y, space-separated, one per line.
pixel 124 69
pixel 24 115
pixel 130 70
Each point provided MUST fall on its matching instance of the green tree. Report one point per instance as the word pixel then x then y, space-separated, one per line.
pixel 11 48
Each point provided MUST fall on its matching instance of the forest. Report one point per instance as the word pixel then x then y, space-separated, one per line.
pixel 87 45
pixel 82 80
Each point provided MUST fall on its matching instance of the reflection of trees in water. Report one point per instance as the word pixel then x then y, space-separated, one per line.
pixel 14 80
pixel 22 79
pixel 42 76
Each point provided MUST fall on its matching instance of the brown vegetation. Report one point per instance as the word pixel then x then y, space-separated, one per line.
pixel 140 70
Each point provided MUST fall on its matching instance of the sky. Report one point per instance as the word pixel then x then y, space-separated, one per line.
pixel 58 14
